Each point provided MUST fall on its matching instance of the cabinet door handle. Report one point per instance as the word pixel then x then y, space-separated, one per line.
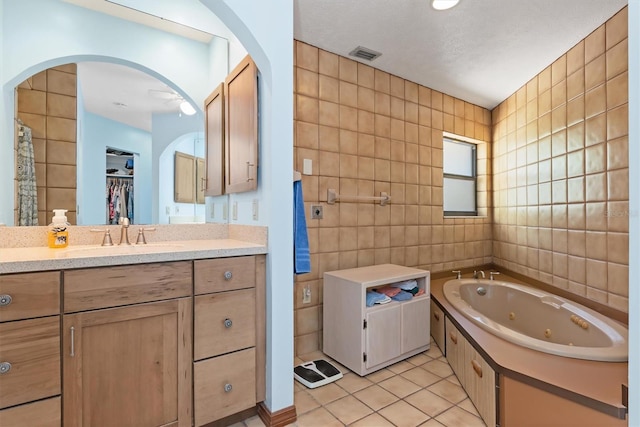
pixel 203 181
pixel 227 388
pixel 477 368
pixel 249 164
pixel 5 367
pixel 228 275
pixel 5 300
pixel 453 337
pixel 73 343
pixel 228 323
pixel 436 316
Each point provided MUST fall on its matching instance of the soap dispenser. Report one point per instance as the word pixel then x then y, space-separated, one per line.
pixel 58 235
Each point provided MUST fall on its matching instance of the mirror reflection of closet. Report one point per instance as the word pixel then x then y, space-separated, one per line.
pixel 119 186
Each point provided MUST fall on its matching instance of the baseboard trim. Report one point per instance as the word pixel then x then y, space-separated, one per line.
pixel 279 418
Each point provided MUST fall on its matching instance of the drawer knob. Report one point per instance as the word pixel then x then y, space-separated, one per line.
pixel 227 388
pixel 228 323
pixel 228 275
pixel 5 300
pixel 5 367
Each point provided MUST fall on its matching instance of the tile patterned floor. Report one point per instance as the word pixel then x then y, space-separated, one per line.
pixel 419 391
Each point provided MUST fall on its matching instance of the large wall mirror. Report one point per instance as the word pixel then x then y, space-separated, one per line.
pixel 101 108
pixel 98 131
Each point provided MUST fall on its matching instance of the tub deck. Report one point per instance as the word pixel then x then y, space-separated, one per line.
pixel 595 384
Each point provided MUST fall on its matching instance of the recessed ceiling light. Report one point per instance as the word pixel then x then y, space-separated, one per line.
pixel 443 4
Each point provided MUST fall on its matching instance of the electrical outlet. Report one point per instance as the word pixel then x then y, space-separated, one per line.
pixel 212 210
pixel 316 212
pixel 234 211
pixel 167 210
pixel 255 209
pixel 306 294
pixel 225 211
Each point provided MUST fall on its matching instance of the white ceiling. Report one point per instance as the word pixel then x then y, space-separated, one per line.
pixel 124 94
pixel 481 51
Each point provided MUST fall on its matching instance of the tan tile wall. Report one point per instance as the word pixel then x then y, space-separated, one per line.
pixel 367 131
pixel 46 102
pixel 560 165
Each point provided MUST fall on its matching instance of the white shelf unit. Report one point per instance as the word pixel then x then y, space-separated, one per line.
pixel 366 339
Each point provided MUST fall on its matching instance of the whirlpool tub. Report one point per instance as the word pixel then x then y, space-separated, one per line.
pixel 538 320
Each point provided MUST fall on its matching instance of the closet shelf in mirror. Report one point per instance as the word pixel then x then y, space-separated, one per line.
pixel 115 175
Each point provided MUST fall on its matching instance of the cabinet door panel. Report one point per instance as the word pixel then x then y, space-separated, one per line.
pixel 224 274
pixel 184 177
pixel 43 413
pixel 214 118
pixel 415 324
pixel 32 347
pixel 224 385
pixel 92 288
pixel 437 325
pixel 128 366
pixel 241 128
pixel 455 349
pixel 382 340
pixel 212 336
pixel 32 295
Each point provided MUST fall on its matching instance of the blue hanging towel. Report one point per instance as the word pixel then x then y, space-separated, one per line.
pixel 301 257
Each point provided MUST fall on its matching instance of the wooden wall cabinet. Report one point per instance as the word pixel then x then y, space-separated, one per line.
pixel 188 178
pixel 231 115
pixel 30 349
pixel 366 339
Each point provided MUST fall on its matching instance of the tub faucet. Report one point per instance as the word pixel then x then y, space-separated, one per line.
pixel 493 273
pixel 477 273
pixel 458 274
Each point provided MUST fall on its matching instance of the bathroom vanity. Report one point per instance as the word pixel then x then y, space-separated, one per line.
pixel 366 339
pixel 163 337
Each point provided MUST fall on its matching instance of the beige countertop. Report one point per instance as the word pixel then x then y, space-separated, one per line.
pixel 23 249
pixel 19 260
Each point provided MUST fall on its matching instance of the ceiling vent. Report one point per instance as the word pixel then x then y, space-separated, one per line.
pixel 364 53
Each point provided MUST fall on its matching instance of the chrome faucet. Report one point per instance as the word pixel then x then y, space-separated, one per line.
pixel 458 274
pixel 477 273
pixel 124 231
pixel 493 273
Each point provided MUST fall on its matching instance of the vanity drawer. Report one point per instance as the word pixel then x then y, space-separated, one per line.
pixel 94 288
pixel 224 274
pixel 32 348
pixel 45 413
pixel 29 295
pixel 224 322
pixel 224 386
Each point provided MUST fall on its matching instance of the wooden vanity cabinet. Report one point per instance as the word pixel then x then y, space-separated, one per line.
pixel 229 336
pixel 30 349
pixel 127 345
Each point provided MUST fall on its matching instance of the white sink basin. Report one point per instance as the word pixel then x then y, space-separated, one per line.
pixel 91 251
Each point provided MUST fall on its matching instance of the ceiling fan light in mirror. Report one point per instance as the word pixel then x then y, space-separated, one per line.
pixel 187 108
pixel 443 4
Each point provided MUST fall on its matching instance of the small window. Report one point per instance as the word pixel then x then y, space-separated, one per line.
pixel 459 169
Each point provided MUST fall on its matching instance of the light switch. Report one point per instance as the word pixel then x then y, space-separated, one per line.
pixel 307 167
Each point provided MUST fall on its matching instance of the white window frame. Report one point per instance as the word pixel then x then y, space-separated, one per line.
pixel 472 178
